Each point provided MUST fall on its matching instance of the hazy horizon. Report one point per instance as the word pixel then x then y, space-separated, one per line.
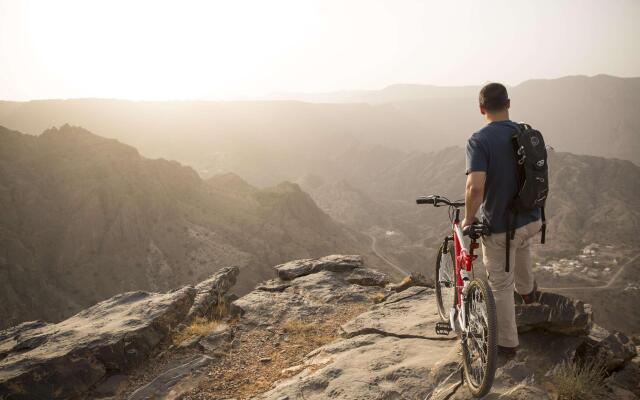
pixel 282 95
pixel 249 50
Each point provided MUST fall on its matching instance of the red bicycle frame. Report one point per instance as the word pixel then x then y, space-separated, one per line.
pixel 464 255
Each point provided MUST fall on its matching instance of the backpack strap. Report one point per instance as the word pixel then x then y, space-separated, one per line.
pixel 507 243
pixel 543 229
pixel 509 234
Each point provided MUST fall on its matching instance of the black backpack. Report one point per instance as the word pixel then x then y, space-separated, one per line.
pixel 532 174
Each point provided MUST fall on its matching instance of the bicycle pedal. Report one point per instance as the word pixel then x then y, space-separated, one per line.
pixel 443 328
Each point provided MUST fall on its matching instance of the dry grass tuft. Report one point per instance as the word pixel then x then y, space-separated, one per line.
pixel 199 327
pixel 579 381
pixel 313 334
pixel 221 309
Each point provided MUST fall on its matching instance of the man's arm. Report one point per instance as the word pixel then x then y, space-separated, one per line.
pixel 473 195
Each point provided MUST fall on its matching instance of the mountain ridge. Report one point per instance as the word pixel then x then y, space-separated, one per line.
pixel 85 217
pixel 584 115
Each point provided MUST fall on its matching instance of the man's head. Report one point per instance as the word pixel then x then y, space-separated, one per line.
pixel 494 101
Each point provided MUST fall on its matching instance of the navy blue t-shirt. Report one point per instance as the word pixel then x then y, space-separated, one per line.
pixel 490 150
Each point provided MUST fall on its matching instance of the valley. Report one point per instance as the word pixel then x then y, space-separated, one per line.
pixel 274 180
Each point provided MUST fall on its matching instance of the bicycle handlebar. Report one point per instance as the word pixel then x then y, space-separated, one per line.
pixel 438 201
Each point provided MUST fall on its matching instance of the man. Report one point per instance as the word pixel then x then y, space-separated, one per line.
pixel 491 183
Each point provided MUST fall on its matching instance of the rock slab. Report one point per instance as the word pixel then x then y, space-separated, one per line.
pixel 39 360
pixel 173 381
pixel 555 313
pixel 334 263
pixel 64 360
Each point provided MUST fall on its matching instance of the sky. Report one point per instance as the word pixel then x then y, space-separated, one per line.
pixel 173 50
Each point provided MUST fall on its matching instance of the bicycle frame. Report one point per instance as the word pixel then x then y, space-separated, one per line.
pixel 476 328
pixel 464 255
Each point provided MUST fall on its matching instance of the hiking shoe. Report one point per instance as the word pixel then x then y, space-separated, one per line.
pixel 529 298
pixel 507 352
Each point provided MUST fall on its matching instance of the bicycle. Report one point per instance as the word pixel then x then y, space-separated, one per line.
pixel 465 303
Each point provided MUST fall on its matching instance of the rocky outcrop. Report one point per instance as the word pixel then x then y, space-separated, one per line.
pixel 334 263
pixel 210 293
pixel 555 313
pixel 327 328
pixel 310 287
pixel 392 351
pixel 39 360
pixel 610 349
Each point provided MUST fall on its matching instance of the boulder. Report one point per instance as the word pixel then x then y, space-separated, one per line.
pixel 334 263
pixel 555 313
pixel 627 378
pixel 367 277
pixel 610 349
pixel 316 293
pixel 211 292
pixel 64 360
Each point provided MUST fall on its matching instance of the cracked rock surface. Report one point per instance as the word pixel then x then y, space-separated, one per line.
pixel 39 360
pixel 359 349
pixel 392 352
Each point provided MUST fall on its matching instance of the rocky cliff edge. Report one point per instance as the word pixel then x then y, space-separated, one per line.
pixel 326 328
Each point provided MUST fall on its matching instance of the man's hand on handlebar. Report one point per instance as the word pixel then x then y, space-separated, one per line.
pixel 466 222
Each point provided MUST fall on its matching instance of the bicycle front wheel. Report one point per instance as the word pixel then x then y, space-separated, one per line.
pixel 479 342
pixel 445 281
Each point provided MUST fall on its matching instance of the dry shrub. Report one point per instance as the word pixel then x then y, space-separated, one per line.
pixel 199 327
pixel 579 380
pixel 313 334
pixel 377 297
pixel 220 310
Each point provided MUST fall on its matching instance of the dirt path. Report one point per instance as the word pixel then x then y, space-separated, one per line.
pixel 385 259
pixel 606 286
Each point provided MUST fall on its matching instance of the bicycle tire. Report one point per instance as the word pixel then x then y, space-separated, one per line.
pixel 445 308
pixel 481 388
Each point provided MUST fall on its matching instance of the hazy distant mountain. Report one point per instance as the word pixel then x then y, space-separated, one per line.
pixel 389 94
pixel 344 203
pixel 592 199
pixel 85 217
pixel 268 141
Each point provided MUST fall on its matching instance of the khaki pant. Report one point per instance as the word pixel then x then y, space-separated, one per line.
pixel 502 283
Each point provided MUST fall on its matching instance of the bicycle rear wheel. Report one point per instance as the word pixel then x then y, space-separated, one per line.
pixel 445 281
pixel 479 342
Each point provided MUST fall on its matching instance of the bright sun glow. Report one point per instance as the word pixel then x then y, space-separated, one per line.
pixel 237 48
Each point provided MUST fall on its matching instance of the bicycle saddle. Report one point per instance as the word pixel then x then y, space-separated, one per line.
pixel 474 231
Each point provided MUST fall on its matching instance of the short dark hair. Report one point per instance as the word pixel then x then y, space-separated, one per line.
pixel 493 97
